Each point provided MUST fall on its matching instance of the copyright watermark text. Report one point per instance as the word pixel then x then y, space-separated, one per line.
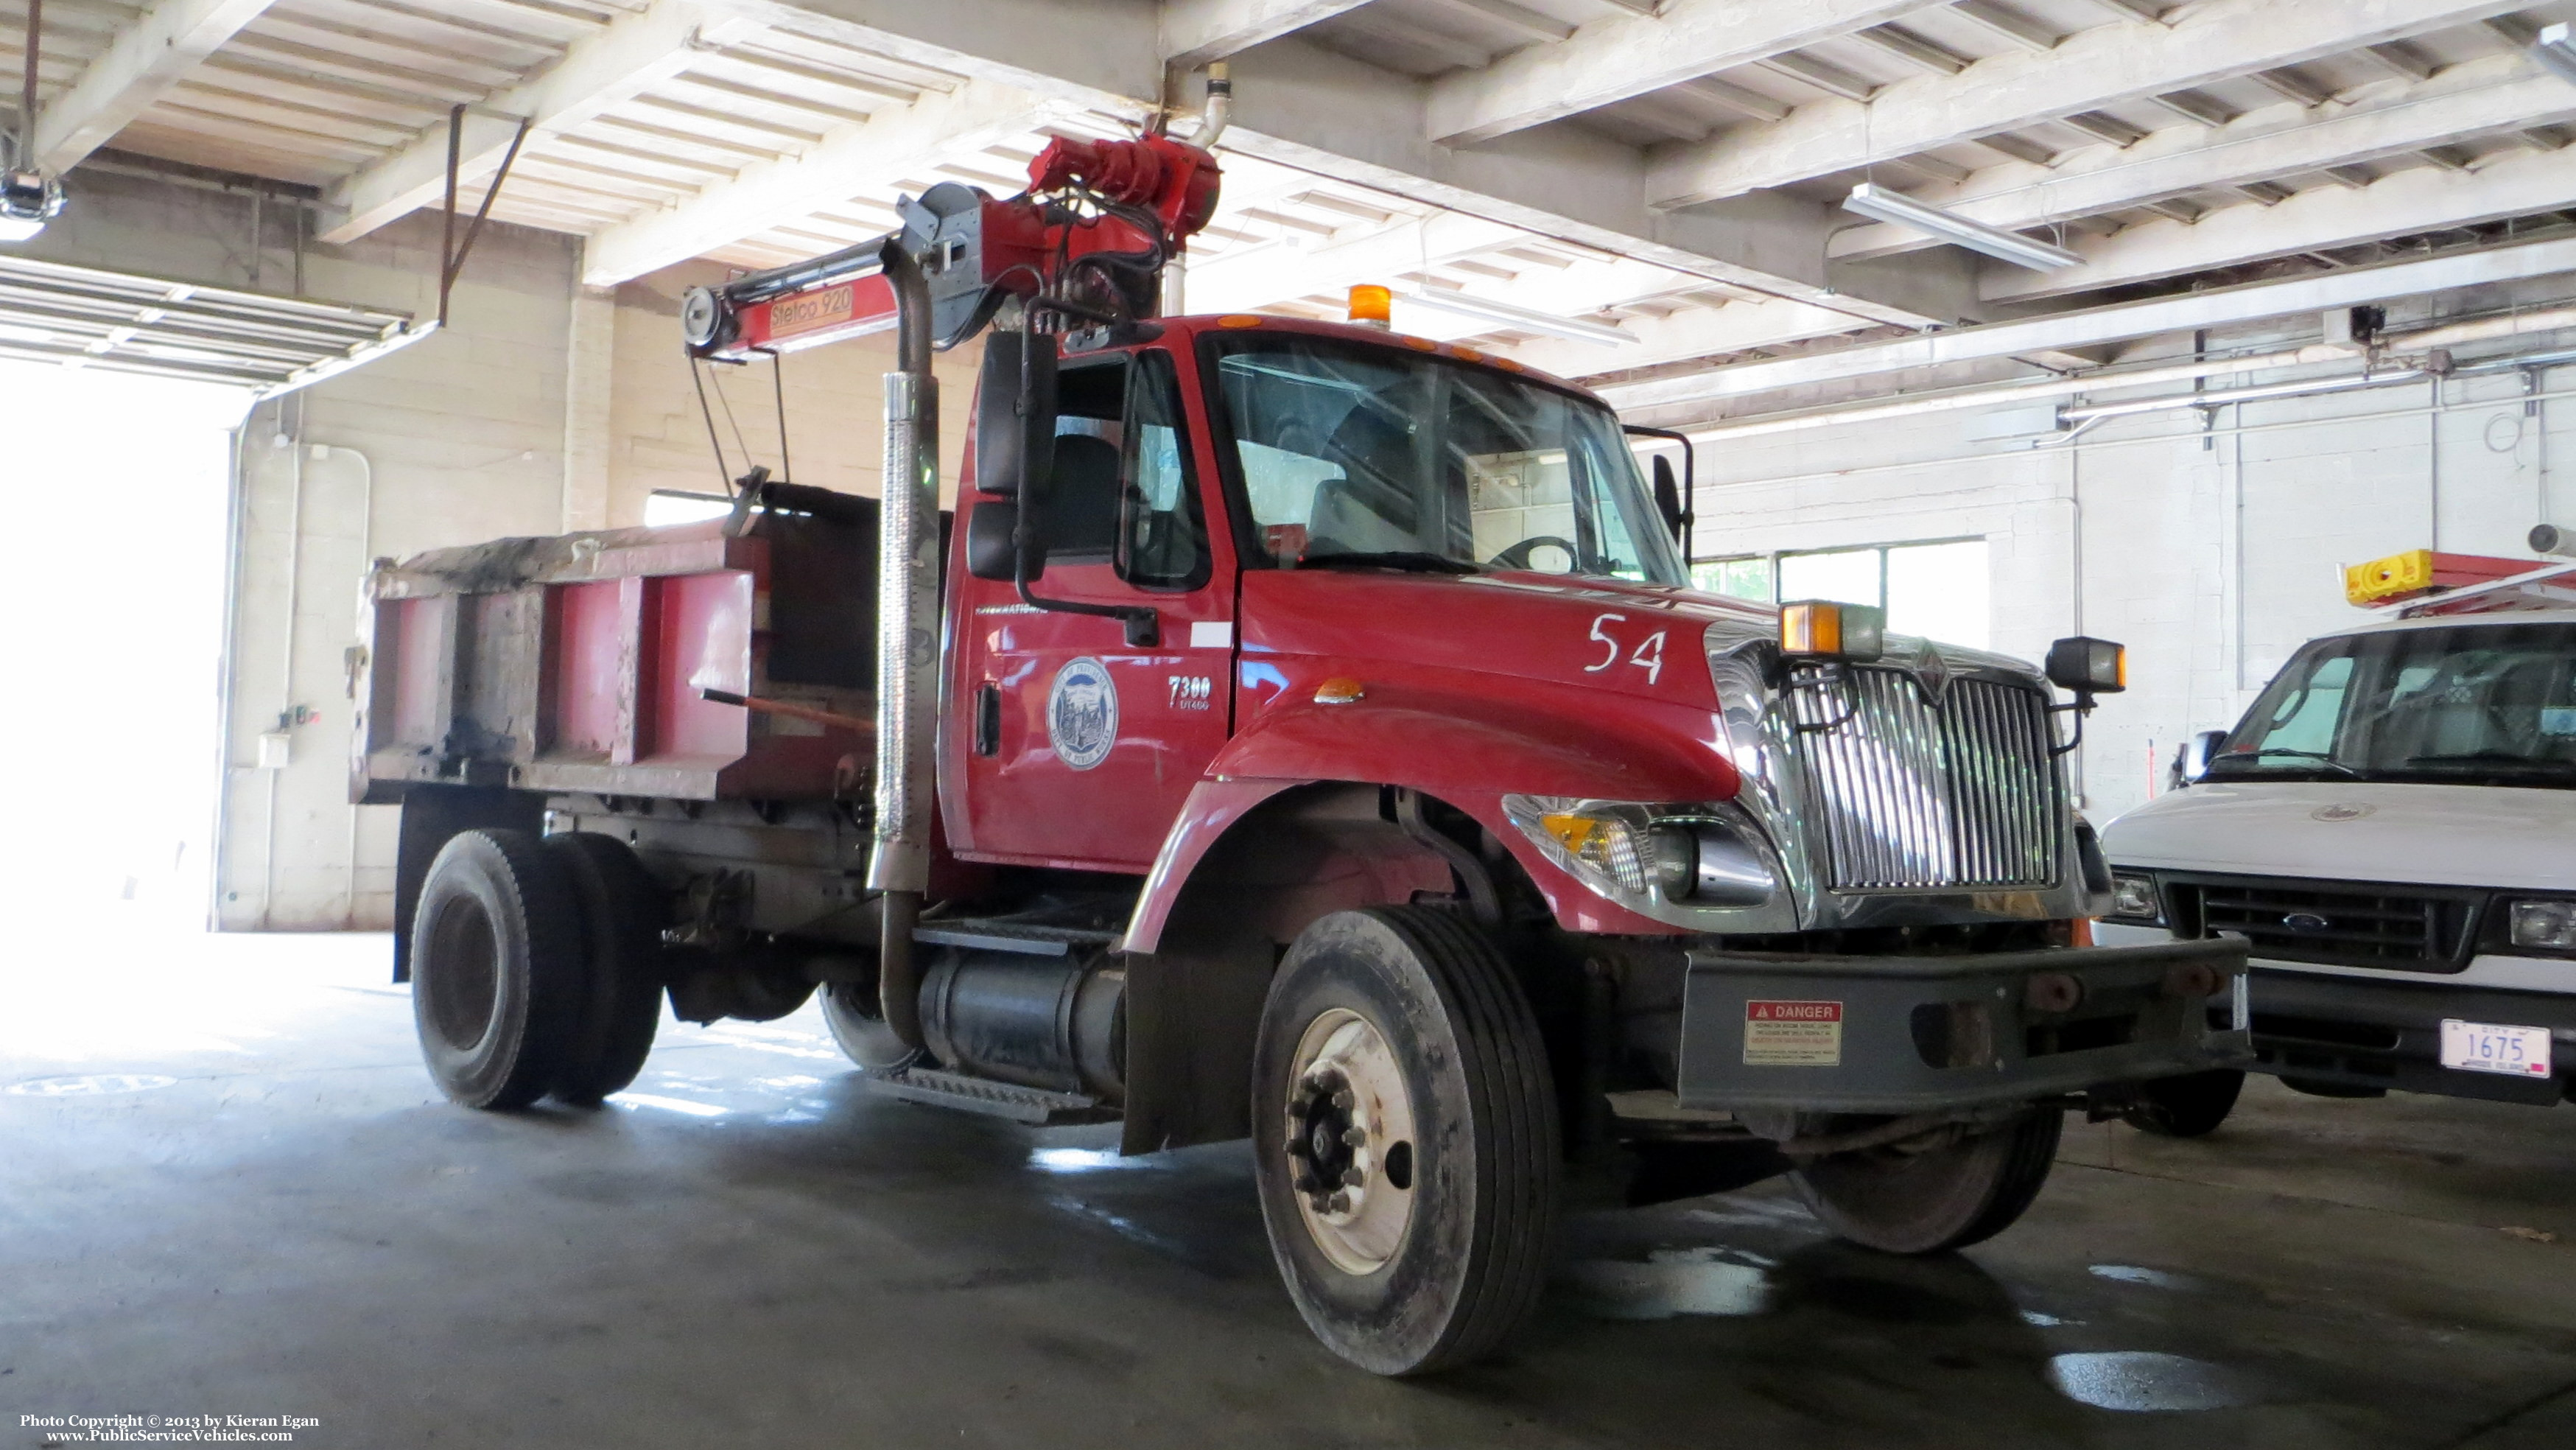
pixel 168 1429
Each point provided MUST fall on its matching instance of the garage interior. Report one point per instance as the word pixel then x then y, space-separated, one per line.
pixel 2216 298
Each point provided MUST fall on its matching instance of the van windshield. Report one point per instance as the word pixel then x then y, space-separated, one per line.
pixel 1352 455
pixel 2481 704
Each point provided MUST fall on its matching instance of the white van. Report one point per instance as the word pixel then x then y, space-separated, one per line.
pixel 2393 826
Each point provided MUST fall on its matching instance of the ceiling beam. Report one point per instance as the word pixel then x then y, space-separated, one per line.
pixel 1623 56
pixel 1298 105
pixel 2185 312
pixel 869 157
pixel 1260 276
pixel 2404 203
pixel 1195 32
pixel 152 53
pixel 2496 94
pixel 2090 69
pixel 599 71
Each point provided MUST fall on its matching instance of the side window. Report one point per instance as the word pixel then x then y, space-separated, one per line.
pixel 1082 494
pixel 1162 526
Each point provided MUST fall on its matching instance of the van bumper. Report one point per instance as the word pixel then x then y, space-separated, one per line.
pixel 2360 1033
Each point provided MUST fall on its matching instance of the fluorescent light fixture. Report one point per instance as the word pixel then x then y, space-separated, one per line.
pixel 2555 47
pixel 1879 204
pixel 1522 319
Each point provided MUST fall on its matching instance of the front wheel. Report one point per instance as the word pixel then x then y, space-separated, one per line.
pixel 1931 1196
pixel 2190 1106
pixel 1405 1139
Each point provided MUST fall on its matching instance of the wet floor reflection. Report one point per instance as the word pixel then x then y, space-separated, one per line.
pixel 2132 1379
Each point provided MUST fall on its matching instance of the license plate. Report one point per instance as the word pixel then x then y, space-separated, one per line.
pixel 2486 1047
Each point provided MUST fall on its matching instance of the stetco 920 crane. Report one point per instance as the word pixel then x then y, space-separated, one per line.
pixel 1305 732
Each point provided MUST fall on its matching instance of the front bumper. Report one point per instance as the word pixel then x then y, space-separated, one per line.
pixel 2360 1033
pixel 1845 1034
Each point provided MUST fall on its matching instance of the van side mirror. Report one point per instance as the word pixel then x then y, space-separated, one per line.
pixel 1015 414
pixel 2192 761
pixel 1668 496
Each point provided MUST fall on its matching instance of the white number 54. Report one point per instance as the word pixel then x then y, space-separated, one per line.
pixel 1648 655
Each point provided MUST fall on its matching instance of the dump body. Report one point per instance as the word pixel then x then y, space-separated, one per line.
pixel 579 663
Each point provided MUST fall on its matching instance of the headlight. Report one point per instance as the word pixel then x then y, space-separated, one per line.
pixel 2548 925
pixel 2134 897
pixel 1682 855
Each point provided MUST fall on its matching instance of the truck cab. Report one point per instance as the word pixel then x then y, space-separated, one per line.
pixel 2392 828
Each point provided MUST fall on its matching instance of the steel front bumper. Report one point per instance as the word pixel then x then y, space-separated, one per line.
pixel 1844 1034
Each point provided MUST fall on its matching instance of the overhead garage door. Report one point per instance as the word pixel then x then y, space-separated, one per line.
pixel 121 322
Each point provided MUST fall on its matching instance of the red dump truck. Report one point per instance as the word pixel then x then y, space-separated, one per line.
pixel 1302 732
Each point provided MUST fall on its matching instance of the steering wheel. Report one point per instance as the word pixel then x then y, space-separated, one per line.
pixel 1518 555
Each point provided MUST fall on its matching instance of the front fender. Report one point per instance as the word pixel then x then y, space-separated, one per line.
pixel 1468 750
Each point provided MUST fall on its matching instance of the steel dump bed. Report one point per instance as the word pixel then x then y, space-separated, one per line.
pixel 579 663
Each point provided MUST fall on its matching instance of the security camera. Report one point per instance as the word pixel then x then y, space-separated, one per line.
pixel 2551 539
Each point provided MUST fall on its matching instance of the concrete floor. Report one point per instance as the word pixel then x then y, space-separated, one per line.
pixel 226 1187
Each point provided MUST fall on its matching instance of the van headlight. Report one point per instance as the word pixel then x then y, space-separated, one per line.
pixel 1681 855
pixel 2549 926
pixel 2133 897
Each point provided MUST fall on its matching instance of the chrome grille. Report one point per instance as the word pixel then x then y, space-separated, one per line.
pixel 1908 794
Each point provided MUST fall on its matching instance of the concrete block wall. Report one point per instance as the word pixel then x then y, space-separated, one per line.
pixel 2212 557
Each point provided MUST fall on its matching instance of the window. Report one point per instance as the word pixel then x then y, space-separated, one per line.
pixel 1162 528
pixel 1748 578
pixel 1121 492
pixel 2483 704
pixel 671 506
pixel 1363 456
pixel 1937 591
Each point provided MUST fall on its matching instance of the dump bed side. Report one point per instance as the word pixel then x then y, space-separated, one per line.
pixel 577 663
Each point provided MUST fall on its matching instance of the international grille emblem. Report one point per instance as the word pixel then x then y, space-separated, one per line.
pixel 1934 672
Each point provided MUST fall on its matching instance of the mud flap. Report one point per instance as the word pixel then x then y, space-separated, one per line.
pixel 431 815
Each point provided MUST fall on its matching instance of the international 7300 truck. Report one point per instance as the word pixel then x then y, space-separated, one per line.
pixel 1300 731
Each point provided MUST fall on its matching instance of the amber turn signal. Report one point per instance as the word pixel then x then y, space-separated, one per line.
pixel 1825 629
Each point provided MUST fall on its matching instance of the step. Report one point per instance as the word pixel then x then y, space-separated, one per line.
pixel 1035 1106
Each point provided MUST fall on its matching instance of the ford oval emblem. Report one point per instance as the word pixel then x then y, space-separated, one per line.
pixel 2341 811
pixel 2304 921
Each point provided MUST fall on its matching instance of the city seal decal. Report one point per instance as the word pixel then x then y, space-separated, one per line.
pixel 1082 713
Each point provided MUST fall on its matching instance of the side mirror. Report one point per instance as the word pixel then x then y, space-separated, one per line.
pixel 1668 496
pixel 992 546
pixel 2192 761
pixel 2088 667
pixel 1015 414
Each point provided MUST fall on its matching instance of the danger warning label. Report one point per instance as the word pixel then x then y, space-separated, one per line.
pixel 1793 1034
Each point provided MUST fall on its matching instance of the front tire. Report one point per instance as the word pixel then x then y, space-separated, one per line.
pixel 497 968
pixel 1927 1200
pixel 2190 1106
pixel 1405 1139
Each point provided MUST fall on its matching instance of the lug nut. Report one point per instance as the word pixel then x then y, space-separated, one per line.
pixel 1309 1183
pixel 1338 1203
pixel 1297 1147
pixel 1297 1107
pixel 1344 1099
pixel 1355 1137
pixel 1353 1178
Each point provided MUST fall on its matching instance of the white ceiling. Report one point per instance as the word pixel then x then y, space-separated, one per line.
pixel 1666 171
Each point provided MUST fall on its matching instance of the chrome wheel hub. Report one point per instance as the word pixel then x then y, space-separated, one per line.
pixel 1350 1142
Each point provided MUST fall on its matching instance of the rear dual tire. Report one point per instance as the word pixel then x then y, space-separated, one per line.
pixel 535 968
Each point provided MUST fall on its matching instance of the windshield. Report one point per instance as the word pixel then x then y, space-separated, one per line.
pixel 2486 704
pixel 1359 455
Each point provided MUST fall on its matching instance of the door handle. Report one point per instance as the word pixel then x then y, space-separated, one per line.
pixel 988 719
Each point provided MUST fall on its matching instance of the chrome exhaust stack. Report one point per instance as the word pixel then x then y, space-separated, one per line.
pixel 907 645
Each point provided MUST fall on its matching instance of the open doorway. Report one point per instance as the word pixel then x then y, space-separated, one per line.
pixel 112 606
